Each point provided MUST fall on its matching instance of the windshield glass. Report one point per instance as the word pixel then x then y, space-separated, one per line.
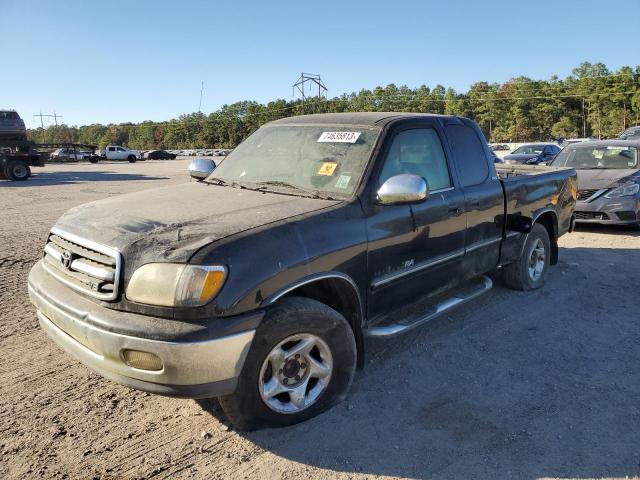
pixel 611 156
pixel 529 150
pixel 300 159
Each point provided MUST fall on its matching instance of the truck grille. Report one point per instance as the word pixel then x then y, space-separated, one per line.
pixel 586 194
pixel 83 265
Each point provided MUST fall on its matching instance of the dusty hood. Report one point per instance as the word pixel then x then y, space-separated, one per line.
pixel 171 223
pixel 602 178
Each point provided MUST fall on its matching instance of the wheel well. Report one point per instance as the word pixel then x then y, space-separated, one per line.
pixel 549 221
pixel 340 295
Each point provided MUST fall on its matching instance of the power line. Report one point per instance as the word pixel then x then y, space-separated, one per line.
pixel 373 97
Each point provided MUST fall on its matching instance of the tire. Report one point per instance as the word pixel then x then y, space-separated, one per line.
pixel 17 170
pixel 93 159
pixel 518 275
pixel 303 321
pixel 131 158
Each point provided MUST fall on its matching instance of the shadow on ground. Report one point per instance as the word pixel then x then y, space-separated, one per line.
pixel 66 178
pixel 608 229
pixel 516 384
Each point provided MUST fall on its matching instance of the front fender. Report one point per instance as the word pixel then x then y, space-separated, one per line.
pixel 266 263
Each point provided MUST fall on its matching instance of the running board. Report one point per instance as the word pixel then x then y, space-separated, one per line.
pixel 460 295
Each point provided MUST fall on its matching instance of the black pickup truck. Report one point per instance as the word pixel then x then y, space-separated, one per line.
pixel 260 283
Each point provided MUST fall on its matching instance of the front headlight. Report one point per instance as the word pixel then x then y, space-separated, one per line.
pixel 175 284
pixel 624 190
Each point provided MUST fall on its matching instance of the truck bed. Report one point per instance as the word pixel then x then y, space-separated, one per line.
pixel 506 172
pixel 530 191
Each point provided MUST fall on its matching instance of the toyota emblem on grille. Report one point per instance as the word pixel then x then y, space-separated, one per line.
pixel 66 258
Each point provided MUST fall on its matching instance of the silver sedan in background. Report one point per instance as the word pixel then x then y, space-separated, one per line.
pixel 608 180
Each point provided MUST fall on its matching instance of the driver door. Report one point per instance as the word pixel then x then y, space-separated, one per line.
pixel 415 249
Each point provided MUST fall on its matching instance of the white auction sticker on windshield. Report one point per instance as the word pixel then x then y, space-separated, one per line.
pixel 339 137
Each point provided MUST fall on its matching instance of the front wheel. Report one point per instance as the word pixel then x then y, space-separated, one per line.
pixel 132 159
pixel 302 362
pixel 529 271
pixel 17 170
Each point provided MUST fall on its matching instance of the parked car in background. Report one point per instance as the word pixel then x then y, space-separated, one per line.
pixel 532 154
pixel 63 154
pixel 158 155
pixel 608 180
pixel 12 125
pixel 115 152
pixel 500 146
pixel 631 132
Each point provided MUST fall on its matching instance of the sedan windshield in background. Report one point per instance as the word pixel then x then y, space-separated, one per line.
pixel 607 157
pixel 528 150
pixel 327 158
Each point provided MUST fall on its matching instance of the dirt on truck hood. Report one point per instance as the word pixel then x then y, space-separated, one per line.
pixel 172 223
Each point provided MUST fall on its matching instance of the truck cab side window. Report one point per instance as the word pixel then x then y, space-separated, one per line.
pixel 417 152
pixel 112 149
pixel 467 149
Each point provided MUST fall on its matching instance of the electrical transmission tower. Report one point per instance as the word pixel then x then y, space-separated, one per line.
pixel 309 79
pixel 55 116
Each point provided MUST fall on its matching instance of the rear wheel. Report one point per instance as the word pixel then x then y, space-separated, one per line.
pixel 132 159
pixel 17 170
pixel 529 271
pixel 301 362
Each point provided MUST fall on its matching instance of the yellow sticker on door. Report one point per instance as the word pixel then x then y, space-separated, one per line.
pixel 327 168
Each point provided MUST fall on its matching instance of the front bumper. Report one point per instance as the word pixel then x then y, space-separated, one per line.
pixel 190 368
pixel 609 211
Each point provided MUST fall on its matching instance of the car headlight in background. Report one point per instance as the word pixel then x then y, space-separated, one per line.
pixel 624 190
pixel 175 284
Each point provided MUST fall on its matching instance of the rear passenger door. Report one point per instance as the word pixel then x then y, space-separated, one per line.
pixel 483 198
pixel 418 248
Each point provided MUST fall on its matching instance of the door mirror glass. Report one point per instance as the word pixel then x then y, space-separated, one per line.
pixel 403 188
pixel 201 168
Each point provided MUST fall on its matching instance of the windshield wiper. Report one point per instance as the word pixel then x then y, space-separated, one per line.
pixel 224 183
pixel 217 181
pixel 291 186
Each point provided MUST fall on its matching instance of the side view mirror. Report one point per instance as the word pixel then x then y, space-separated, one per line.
pixel 403 188
pixel 201 168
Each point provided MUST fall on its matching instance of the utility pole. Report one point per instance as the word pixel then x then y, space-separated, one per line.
pixel 584 121
pixel 310 78
pixel 201 90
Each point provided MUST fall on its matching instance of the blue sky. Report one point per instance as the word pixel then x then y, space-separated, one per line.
pixel 115 61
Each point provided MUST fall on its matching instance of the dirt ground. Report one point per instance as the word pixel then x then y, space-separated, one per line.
pixel 514 385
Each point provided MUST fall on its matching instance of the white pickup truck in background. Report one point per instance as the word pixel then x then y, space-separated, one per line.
pixel 115 152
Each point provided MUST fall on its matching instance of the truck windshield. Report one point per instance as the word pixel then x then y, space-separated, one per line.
pixel 605 157
pixel 300 159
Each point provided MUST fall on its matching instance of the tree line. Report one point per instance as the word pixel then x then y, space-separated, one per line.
pixel 592 102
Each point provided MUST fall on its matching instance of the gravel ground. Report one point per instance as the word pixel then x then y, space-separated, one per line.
pixel 517 385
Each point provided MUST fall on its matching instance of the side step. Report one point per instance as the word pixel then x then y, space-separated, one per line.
pixel 434 308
